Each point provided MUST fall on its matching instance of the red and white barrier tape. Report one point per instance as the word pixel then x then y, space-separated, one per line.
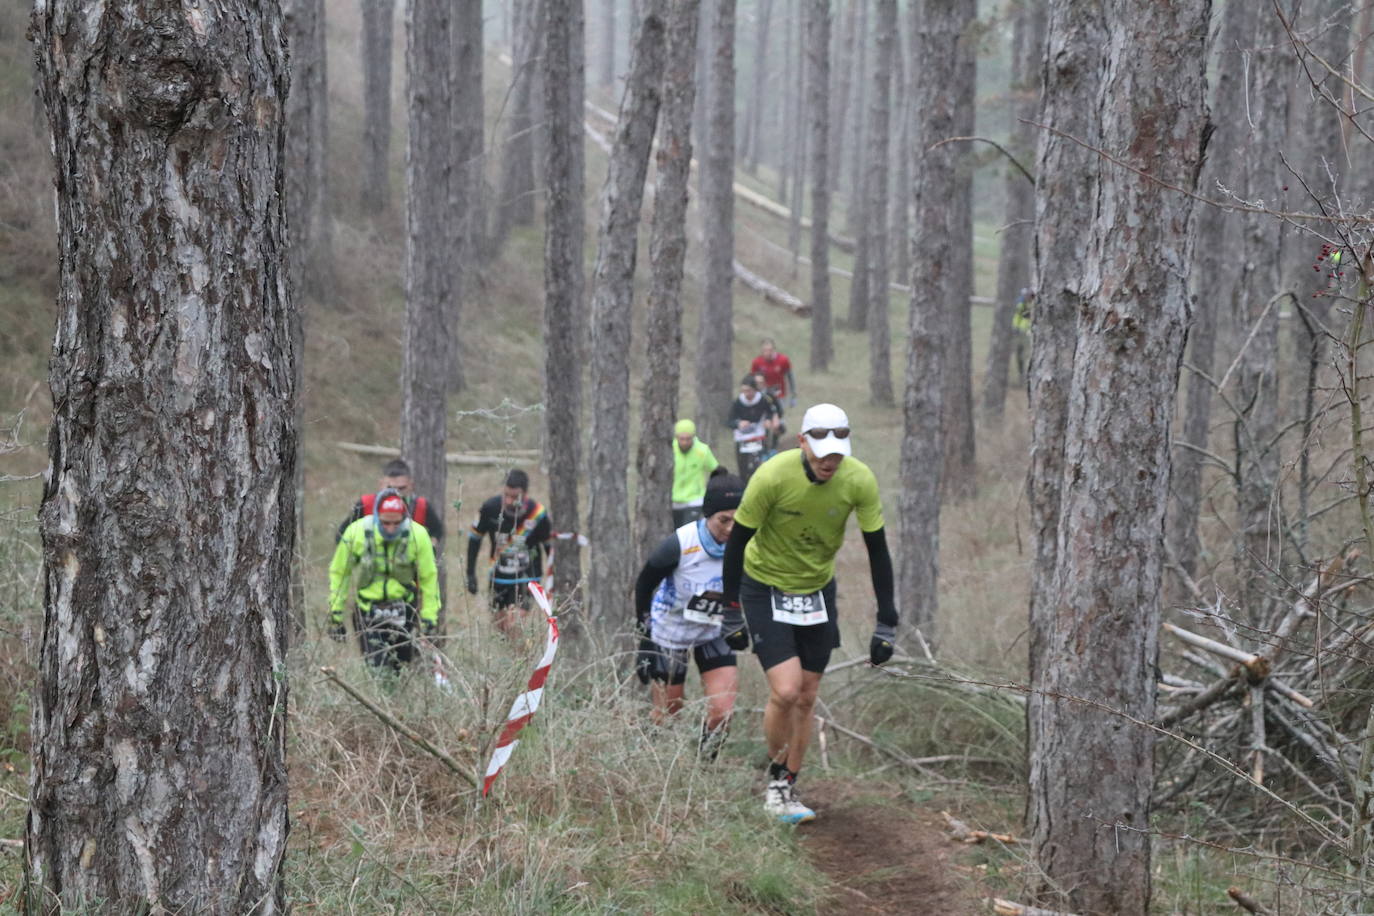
pixel 525 705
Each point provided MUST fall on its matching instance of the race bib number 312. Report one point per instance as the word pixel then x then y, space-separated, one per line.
pixel 705 607
pixel 799 610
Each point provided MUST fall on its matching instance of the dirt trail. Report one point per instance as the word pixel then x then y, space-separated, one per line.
pixel 887 854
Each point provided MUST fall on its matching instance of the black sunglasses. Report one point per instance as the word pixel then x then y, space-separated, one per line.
pixel 840 432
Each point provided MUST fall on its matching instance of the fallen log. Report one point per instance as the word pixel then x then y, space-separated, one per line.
pixel 461 458
pixel 769 292
pixel 1011 908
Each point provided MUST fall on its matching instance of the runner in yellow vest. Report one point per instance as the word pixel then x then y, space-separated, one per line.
pixel 693 463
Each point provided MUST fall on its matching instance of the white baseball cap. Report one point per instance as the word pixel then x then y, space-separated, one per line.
pixel 833 425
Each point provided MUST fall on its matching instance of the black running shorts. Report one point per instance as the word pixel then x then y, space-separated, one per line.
pixel 775 642
pixel 670 665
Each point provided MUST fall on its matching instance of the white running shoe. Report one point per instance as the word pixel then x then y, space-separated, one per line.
pixel 781 802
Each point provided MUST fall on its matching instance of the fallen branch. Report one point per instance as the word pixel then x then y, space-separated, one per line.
pixel 1245 901
pixel 1257 666
pixel 17 844
pixel 966 834
pixel 1011 908
pixel 1218 691
pixel 495 460
pixel 769 292
pixel 402 729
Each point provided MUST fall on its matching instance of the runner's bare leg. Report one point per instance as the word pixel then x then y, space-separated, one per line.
pixel 787 717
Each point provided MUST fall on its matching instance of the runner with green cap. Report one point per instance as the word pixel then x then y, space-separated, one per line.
pixel 693 463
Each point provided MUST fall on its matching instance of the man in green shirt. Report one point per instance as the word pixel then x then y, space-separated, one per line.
pixel 779 583
pixel 693 462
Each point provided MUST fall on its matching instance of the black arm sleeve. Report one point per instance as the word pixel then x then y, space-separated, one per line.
pixel 732 567
pixel 353 516
pixel 880 565
pixel 474 546
pixel 434 524
pixel 658 567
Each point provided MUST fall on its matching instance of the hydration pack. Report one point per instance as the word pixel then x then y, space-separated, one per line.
pixel 417 509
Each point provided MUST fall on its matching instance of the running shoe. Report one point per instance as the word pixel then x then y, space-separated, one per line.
pixel 780 802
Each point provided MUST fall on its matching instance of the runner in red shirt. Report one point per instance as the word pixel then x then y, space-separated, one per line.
pixel 776 369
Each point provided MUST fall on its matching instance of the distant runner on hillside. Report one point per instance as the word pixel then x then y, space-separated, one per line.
pixel 397 582
pixel 779 571
pixel 678 609
pixel 693 463
pixel 518 528
pixel 777 372
pixel 396 476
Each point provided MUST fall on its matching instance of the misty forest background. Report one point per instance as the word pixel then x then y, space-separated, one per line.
pixel 1191 531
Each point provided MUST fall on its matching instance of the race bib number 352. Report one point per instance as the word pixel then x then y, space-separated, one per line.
pixel 799 610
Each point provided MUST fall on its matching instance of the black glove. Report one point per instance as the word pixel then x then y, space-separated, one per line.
pixel 429 628
pixel 472 584
pixel 738 640
pixel 733 627
pixel 644 660
pixel 880 646
pixel 338 632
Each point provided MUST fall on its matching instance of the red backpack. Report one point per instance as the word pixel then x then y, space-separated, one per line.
pixel 417 510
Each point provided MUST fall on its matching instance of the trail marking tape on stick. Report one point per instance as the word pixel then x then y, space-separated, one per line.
pixel 525 705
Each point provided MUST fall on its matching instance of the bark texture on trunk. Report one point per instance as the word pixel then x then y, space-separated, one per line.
pixel 466 182
pixel 1133 74
pixel 378 16
pixel 606 66
pixel 1018 222
pixel 935 30
pixel 715 338
pixel 307 141
pixel 515 204
pixel 563 280
pixel 899 217
pixel 754 146
pixel 839 99
pixel 961 472
pixel 875 209
pixel 1213 274
pixel 1259 542
pixel 797 136
pixel 667 256
pixel 818 90
pixel 610 568
pixel 859 104
pixel 158 777
pixel 430 239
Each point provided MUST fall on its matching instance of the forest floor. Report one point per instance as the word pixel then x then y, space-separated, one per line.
pixel 885 852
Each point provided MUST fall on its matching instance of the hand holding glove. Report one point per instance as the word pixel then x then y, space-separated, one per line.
pixel 338 632
pixel 880 646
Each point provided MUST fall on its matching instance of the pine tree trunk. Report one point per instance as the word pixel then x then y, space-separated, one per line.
pixel 1137 86
pixel 610 569
pixel 1018 232
pixel 899 217
pixel 839 99
pixel 466 182
pixel 875 222
pixel 935 35
pixel 515 204
pixel 606 68
pixel 667 254
pixel 715 339
pixel 797 132
pixel 961 472
pixel 431 235
pixel 782 107
pixel 564 310
pixel 859 103
pixel 306 141
pixel 1214 279
pixel 755 145
pixel 818 90
pixel 158 780
pixel 1269 66
pixel 378 16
